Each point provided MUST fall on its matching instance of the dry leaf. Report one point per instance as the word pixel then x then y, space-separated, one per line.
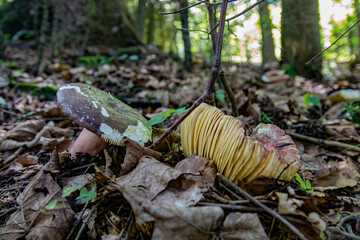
pixel 179 223
pixel 243 226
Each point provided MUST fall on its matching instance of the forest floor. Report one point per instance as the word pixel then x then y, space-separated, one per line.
pixel 45 194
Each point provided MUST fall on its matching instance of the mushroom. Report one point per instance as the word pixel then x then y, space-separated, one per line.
pixel 104 118
pixel 268 151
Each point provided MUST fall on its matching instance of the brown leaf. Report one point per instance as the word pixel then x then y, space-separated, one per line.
pixel 32 220
pixel 27 160
pixel 199 169
pixel 25 131
pixel 177 223
pixel 134 152
pixel 243 226
pixel 153 182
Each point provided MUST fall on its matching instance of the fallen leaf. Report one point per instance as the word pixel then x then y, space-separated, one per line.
pixel 179 223
pixel 33 220
pixel 243 226
pixel 134 152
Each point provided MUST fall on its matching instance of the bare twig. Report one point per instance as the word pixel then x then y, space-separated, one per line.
pixel 320 53
pixel 82 228
pixel 239 14
pixel 191 30
pixel 182 9
pixel 230 94
pixel 211 83
pixel 266 209
pixel 231 207
pixel 327 143
pixel 342 233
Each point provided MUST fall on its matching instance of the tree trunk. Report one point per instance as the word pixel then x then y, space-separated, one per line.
pixel 140 18
pixel 212 22
pixel 300 37
pixel 151 23
pixel 185 35
pixel 38 68
pixel 267 49
pixel 357 11
pixel 54 30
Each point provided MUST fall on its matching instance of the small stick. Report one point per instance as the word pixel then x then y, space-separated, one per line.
pixel 230 94
pixel 82 228
pixel 342 233
pixel 327 143
pixel 211 83
pixel 266 209
pixel 182 9
pixel 231 207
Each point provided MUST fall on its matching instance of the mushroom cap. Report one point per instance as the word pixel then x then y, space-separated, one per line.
pixel 103 114
pixel 210 133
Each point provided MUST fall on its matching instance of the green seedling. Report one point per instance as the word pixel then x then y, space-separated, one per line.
pixel 69 191
pixel 17 73
pixel 265 117
pixel 352 112
pixel 305 185
pixel 86 195
pixel 311 100
pixel 162 117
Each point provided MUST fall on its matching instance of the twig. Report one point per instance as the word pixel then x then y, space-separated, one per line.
pixel 342 233
pixel 231 207
pixel 192 30
pixel 14 156
pixel 211 83
pixel 266 209
pixel 327 143
pixel 78 236
pixel 320 53
pixel 230 94
pixel 126 226
pixel 239 14
pixel 182 9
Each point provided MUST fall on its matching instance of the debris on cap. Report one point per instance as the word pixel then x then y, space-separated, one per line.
pixel 103 114
pixel 268 151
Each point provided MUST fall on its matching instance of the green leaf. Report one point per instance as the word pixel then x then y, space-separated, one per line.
pixel 155 120
pixel 308 184
pixel 69 191
pixel 180 110
pixel 17 73
pixel 86 195
pixel 162 117
pixel 311 99
pixel 301 181
pixel 220 95
pixel 51 205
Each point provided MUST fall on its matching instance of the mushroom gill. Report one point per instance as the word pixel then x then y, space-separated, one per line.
pixel 267 151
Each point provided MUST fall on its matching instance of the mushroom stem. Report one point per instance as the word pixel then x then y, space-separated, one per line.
pixel 87 142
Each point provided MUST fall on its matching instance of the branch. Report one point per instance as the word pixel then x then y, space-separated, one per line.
pixel 182 9
pixel 320 53
pixel 210 87
pixel 327 143
pixel 230 94
pixel 266 209
pixel 239 14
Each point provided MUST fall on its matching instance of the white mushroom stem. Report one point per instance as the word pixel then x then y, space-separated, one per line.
pixel 87 142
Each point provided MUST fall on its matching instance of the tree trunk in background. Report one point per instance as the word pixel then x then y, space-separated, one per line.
pixel 300 37
pixel 267 49
pixel 151 23
pixel 185 35
pixel 54 30
pixel 212 22
pixel 2 45
pixel 140 18
pixel 38 68
pixel 357 11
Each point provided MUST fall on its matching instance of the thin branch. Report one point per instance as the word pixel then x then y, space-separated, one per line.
pixel 320 53
pixel 210 87
pixel 231 207
pixel 342 233
pixel 191 30
pixel 327 143
pixel 182 9
pixel 230 94
pixel 266 209
pixel 239 14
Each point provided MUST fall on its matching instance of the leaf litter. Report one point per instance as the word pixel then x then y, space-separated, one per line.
pixel 141 193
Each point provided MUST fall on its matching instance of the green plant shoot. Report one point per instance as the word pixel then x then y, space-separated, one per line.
pixel 162 117
pixel 305 185
pixel 86 195
pixel 69 191
pixel 311 100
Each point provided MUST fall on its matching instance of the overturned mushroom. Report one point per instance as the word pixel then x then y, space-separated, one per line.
pixel 102 115
pixel 268 151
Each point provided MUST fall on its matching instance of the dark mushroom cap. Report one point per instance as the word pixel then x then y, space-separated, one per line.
pixel 103 114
